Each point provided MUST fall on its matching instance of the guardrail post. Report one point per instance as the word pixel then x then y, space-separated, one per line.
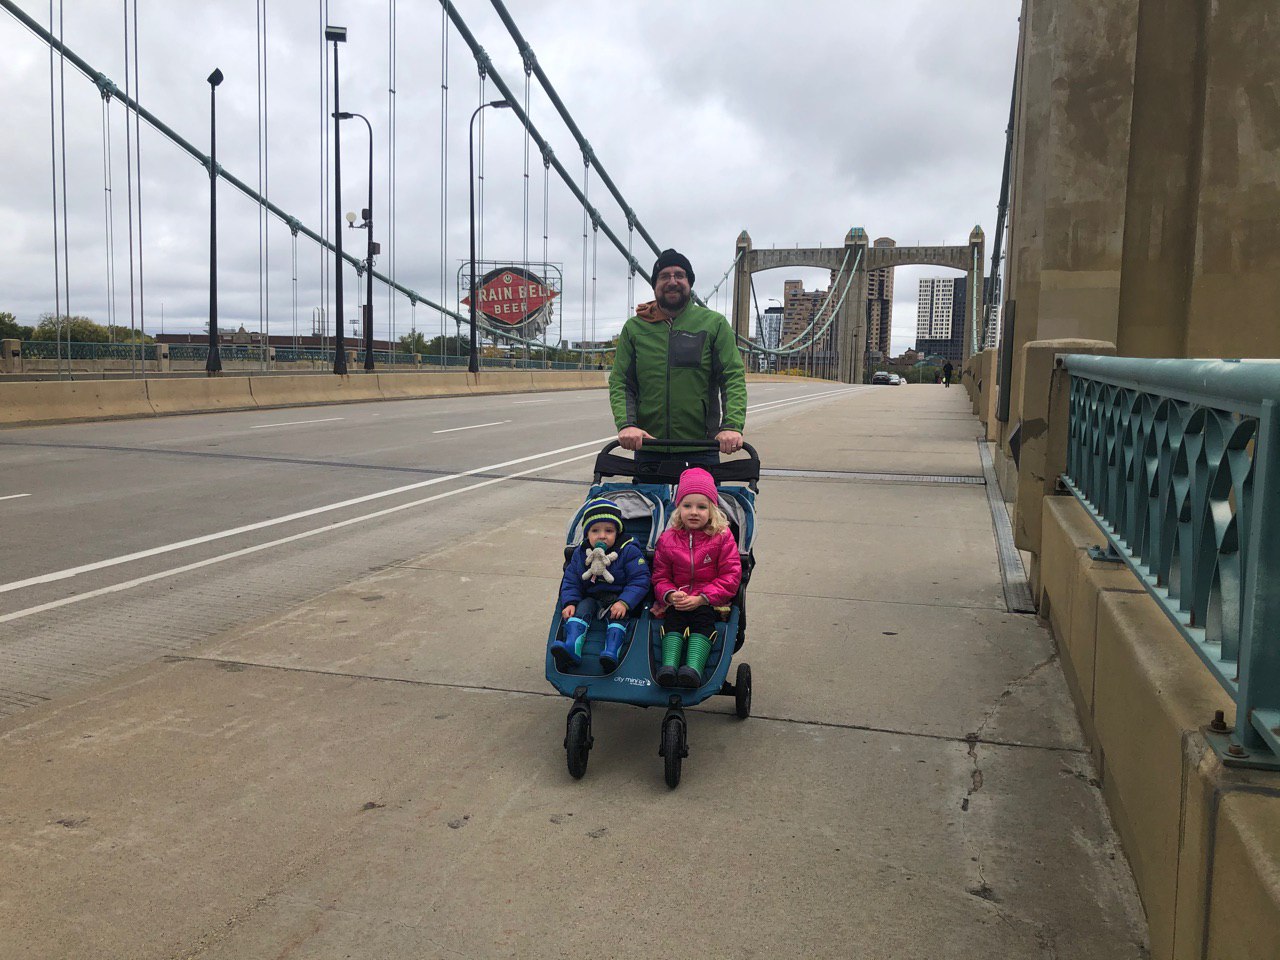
pixel 10 356
pixel 1258 706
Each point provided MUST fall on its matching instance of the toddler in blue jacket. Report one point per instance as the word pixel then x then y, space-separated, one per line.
pixel 582 598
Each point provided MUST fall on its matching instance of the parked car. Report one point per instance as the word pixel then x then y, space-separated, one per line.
pixel 881 376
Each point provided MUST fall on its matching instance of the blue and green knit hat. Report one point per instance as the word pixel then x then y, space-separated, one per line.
pixel 602 509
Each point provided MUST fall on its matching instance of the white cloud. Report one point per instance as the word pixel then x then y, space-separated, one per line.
pixel 712 117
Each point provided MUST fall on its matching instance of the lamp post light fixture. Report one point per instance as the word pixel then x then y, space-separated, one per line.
pixel 337 35
pixel 372 247
pixel 473 364
pixel 213 362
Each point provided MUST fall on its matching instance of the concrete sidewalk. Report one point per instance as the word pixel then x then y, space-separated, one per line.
pixel 379 773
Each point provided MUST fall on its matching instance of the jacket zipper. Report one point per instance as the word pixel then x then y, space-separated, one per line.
pixel 671 326
pixel 692 566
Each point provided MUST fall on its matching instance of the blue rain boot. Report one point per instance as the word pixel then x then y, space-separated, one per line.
pixel 615 634
pixel 567 652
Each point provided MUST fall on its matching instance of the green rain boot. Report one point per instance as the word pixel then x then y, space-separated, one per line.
pixel 690 674
pixel 672 644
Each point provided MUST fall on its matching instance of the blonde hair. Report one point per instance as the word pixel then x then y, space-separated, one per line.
pixel 717 521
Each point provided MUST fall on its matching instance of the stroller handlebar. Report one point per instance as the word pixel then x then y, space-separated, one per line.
pixel 608 464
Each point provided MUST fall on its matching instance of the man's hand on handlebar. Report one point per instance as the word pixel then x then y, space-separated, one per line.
pixel 633 438
pixel 730 441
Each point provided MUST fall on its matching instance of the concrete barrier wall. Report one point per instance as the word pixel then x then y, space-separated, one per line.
pixel 1203 839
pixel 52 401
pixel 409 386
pixel 199 395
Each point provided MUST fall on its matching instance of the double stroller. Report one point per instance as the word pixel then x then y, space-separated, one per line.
pixel 646 505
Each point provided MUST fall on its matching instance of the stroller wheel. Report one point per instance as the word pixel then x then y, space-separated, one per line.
pixel 742 691
pixel 674 749
pixel 577 743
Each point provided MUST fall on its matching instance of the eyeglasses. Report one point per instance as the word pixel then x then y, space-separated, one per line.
pixel 672 275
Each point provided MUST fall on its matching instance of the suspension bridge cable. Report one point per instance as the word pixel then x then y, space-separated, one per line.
pixel 478 52
pixel 294 262
pixel 780 351
pixel 53 169
pixel 260 16
pixel 128 166
pixel 62 123
pixel 137 147
pixel 716 288
pixel 108 217
pixel 391 172
pixel 103 82
pixel 524 232
pixel 595 236
pixel 444 172
pixel 324 174
pixel 531 61
pixel 582 318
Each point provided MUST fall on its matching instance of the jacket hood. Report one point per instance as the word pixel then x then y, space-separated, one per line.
pixel 650 312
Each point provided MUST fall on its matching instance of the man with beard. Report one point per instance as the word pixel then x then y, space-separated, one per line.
pixel 677 372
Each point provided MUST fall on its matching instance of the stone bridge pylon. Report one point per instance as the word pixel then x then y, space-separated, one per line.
pixel 861 259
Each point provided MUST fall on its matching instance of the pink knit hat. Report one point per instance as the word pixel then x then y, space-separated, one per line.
pixel 697 480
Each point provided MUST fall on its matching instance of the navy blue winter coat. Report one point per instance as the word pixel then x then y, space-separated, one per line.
pixel 630 577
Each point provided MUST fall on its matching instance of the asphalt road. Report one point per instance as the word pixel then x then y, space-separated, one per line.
pixel 127 540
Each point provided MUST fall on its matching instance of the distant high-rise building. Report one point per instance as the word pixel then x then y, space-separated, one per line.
pixel 880 306
pixel 770 334
pixel 940 317
pixel 799 308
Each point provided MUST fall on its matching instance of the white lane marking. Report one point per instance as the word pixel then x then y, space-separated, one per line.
pixel 15 496
pixel 474 426
pixel 547 400
pixel 247 528
pixel 294 423
pixel 222 534
pixel 163 574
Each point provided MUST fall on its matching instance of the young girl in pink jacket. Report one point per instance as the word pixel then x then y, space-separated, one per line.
pixel 695 569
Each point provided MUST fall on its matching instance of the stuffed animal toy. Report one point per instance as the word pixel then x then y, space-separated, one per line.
pixel 598 564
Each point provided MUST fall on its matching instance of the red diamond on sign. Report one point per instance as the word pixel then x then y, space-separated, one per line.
pixel 510 296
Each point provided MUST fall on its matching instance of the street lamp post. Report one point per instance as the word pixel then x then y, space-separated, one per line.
pixel 213 362
pixel 371 249
pixel 473 364
pixel 337 35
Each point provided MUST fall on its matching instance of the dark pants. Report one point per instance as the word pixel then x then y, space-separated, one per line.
pixel 595 606
pixel 701 620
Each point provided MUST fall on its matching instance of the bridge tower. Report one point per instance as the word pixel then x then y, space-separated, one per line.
pixel 857 254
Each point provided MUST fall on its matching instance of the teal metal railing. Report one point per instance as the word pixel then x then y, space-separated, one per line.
pixel 1178 462
pixel 49 350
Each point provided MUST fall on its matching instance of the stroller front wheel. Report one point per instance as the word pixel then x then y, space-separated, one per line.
pixel 577 743
pixel 674 749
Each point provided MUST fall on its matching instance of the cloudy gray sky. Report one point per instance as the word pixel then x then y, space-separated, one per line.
pixel 793 121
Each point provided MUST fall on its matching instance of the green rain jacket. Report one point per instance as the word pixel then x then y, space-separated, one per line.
pixel 680 378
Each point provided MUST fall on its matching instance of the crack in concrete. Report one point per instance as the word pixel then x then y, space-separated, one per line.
pixel 551 695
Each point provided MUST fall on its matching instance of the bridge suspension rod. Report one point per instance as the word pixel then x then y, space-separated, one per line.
pixel 106 86
pixel 531 63
pixel 547 153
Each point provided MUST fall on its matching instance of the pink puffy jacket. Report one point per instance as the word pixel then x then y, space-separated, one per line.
pixel 696 562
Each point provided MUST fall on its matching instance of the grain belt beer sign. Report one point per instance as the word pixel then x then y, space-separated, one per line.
pixel 514 299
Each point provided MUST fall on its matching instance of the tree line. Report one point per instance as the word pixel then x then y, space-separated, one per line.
pixel 76 329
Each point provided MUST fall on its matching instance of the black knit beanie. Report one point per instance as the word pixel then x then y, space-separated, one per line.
pixel 671 258
pixel 602 509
